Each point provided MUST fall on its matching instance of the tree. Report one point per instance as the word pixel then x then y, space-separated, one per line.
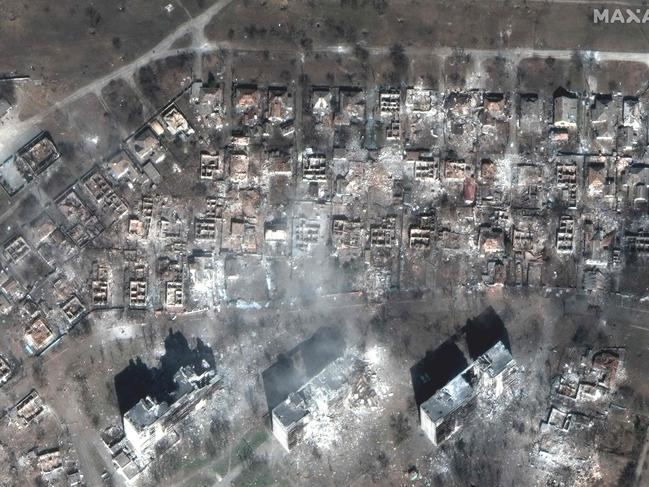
pixel 245 453
pixel 399 58
pixel 399 426
pixel 38 372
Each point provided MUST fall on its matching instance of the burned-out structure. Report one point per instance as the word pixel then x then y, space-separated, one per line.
pixel 155 413
pixel 586 407
pixel 149 422
pixel 443 414
pixel 253 193
pixel 316 397
pixel 468 374
pixel 296 367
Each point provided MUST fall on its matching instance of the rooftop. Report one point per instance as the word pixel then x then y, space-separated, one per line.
pixel 496 359
pixel 460 389
pixel 147 410
pixel 449 398
pixel 318 393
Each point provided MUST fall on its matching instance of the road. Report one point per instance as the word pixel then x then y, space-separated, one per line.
pixel 84 436
pixel 194 26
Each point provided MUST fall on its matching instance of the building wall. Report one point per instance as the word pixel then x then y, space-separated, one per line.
pixel 445 427
pixel 288 436
pixel 428 426
pixel 281 433
pixel 139 439
pixel 497 384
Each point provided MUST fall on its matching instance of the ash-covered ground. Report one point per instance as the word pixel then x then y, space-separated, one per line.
pixel 211 210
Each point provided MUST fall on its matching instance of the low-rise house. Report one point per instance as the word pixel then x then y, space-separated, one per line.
pixel 566 109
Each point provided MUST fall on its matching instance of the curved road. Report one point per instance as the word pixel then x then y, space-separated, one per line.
pixel 163 49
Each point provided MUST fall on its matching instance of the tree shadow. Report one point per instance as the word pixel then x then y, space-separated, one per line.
pixel 296 367
pixel 138 380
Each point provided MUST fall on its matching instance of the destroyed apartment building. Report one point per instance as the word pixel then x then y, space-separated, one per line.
pixel 445 412
pixel 319 396
pixel 152 427
pixel 584 405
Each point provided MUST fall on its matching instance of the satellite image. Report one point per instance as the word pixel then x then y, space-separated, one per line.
pixel 305 243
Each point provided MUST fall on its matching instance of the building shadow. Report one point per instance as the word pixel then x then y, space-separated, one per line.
pixel 453 356
pixel 138 380
pixel 436 369
pixel 296 367
pixel 484 331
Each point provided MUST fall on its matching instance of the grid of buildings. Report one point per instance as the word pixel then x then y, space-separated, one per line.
pixel 531 192
pixel 522 190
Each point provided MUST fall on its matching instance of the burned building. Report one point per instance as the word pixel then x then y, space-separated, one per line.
pixel 423 118
pixel 443 414
pixel 73 309
pixel 30 407
pixel 175 122
pixel 314 168
pixel 100 285
pixel 389 112
pixel 104 195
pixel 16 248
pixel 306 233
pixel 211 166
pixel 425 165
pixel 137 294
pixel 175 296
pixel 150 421
pixel 463 121
pixel 39 335
pixel 49 460
pixel 82 224
pixel 315 397
pixel 566 234
pixel 422 231
pixel 346 233
pixel 39 153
